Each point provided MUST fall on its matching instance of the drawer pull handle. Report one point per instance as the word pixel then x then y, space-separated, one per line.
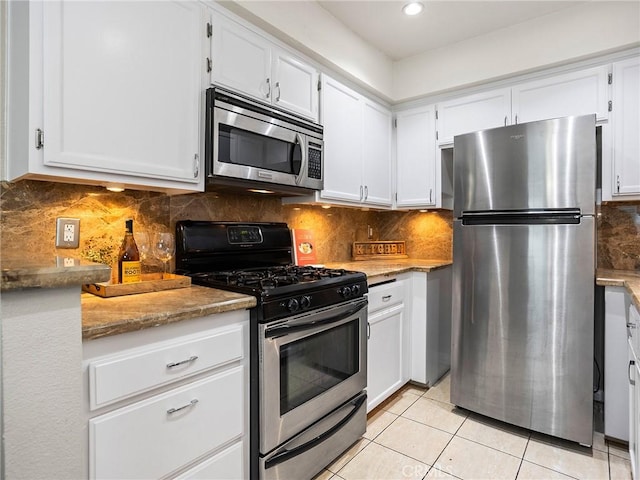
pixel 177 364
pixel 188 405
pixel 386 298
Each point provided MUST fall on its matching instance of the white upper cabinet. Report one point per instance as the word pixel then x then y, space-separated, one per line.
pixel 342 121
pixel 472 113
pixel 249 63
pixel 576 93
pixel 357 147
pixel 415 157
pixel 625 122
pixel 376 147
pixel 295 86
pixel 241 59
pixel 115 93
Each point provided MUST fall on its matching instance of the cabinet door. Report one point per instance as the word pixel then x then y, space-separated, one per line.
pixel 472 113
pixel 625 121
pixel 384 355
pixel 241 59
pixel 576 93
pixel 295 85
pixel 633 372
pixel 376 149
pixel 122 91
pixel 342 121
pixel 616 422
pixel 415 158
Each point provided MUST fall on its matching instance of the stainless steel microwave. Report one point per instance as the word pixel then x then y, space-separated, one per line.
pixel 256 147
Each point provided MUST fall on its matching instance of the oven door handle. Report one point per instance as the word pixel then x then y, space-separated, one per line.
pixel 285 329
pixel 287 454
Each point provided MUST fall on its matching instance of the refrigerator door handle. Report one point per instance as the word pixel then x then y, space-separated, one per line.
pixel 523 217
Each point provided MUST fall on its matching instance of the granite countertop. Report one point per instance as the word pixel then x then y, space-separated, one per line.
pixel 386 267
pixel 621 278
pixel 102 317
pixel 50 272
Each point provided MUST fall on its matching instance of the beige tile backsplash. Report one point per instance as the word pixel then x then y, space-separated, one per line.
pixel 29 209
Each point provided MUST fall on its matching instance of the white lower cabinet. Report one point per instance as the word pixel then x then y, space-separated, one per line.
pixel 185 410
pixel 157 436
pixel 387 347
pixel 430 319
pixel 633 369
pixel 616 383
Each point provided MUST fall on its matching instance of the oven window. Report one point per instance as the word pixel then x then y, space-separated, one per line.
pixel 242 147
pixel 312 365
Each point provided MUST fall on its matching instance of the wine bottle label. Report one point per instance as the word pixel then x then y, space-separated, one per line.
pixel 131 272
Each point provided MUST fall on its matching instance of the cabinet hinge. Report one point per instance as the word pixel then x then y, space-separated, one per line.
pixel 610 105
pixel 436 114
pixel 396 197
pixel 610 78
pixel 319 85
pixel 209 66
pixel 395 123
pixel 436 134
pixel 209 30
pixel 196 165
pixel 39 138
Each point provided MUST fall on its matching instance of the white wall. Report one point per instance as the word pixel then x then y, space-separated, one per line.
pixel 315 32
pixel 42 383
pixel 583 30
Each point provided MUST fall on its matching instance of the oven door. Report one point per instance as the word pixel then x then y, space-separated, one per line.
pixel 310 364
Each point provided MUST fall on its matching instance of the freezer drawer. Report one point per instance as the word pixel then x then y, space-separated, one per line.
pixel 548 164
pixel 522 335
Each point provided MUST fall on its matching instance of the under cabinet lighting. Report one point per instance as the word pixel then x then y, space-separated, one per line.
pixel 413 8
pixel 423 211
pixel 115 187
pixel 326 207
pixel 259 190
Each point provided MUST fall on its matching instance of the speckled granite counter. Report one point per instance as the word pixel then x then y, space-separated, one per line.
pixel 50 272
pixel 621 278
pixel 102 317
pixel 375 269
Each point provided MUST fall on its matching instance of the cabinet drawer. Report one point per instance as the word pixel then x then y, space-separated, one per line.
pixel 226 465
pixel 384 296
pixel 138 370
pixel 154 437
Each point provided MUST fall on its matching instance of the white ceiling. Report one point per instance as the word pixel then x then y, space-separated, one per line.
pixel 442 22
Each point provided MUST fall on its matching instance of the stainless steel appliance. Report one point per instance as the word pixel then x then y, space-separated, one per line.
pixel 308 342
pixel 524 265
pixel 257 147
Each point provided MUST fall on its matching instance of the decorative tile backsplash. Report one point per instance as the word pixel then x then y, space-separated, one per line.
pixel 29 210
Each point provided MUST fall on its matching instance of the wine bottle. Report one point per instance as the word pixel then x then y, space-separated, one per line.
pixel 129 269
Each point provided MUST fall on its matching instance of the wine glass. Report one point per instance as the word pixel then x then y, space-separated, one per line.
pixel 164 247
pixel 142 242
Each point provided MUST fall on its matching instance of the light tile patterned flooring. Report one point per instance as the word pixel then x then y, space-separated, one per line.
pixel 418 434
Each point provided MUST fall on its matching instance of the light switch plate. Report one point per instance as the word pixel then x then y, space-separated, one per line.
pixel 67 232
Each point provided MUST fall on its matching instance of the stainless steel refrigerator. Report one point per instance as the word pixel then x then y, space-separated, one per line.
pixel 523 275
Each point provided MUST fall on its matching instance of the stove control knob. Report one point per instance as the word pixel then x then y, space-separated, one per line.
pixel 355 290
pixel 293 305
pixel 305 301
pixel 345 291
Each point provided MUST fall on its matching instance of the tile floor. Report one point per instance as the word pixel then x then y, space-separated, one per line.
pixel 418 434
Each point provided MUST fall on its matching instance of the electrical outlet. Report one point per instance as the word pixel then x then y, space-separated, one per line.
pixel 67 232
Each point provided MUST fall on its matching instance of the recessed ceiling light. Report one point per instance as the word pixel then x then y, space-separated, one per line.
pixel 413 8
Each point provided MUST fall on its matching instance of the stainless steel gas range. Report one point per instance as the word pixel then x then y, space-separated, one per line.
pixel 308 342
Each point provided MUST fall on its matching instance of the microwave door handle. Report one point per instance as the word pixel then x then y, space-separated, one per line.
pixel 305 158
